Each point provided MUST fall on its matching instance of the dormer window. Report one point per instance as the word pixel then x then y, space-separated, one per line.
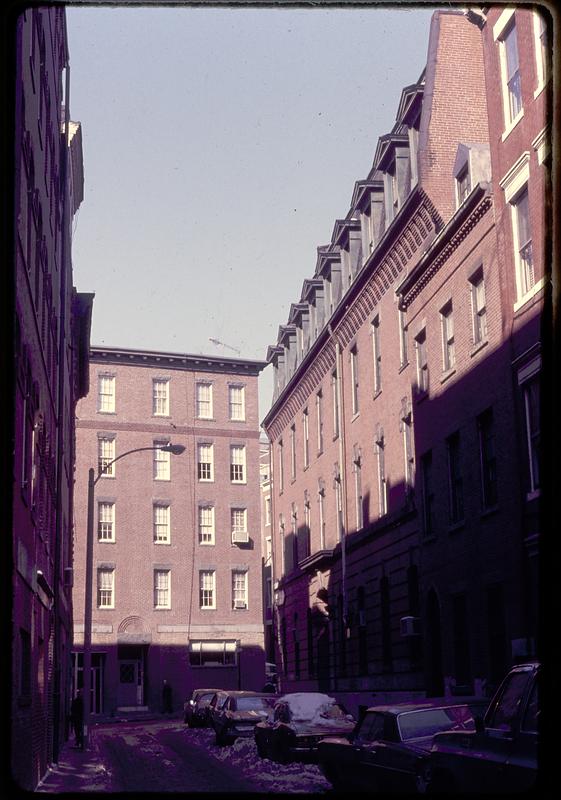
pixel 463 185
pixel 472 166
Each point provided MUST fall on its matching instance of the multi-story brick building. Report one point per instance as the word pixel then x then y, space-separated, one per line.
pixel 51 342
pixel 397 427
pixel 177 545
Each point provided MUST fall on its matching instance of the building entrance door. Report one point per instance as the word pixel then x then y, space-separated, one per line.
pixel 130 683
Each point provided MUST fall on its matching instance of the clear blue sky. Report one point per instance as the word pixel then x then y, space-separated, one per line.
pixel 220 145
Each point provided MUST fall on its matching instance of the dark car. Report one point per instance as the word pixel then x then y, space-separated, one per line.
pixel 239 715
pixel 501 754
pixel 215 706
pixel 298 723
pixel 388 749
pixel 194 709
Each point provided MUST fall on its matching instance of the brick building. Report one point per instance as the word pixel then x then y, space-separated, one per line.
pixel 177 545
pixel 51 342
pixel 404 414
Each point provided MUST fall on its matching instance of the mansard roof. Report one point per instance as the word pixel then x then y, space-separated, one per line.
pixel 386 146
pixel 362 191
pixel 341 229
pixel 310 287
pixel 327 254
pixel 296 310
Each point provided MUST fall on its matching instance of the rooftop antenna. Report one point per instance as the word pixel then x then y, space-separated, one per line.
pixel 219 343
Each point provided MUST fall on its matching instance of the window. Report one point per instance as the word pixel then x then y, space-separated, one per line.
pixel 282 545
pixel 448 348
pixel 105 455
pixel 523 242
pixel 212 653
pixel 239 589
pixel 237 463
pixel 105 587
pixel 427 494
pixel 540 45
pixel 106 522
pixel 455 488
pixel 161 463
pixel 293 452
pixel 236 402
pixel 306 432
pixel 204 400
pixel 531 389
pixel 504 32
pixel 267 511
pixel 463 184
pixel 106 394
pixel 281 468
pixel 205 462
pixel 319 420
pixel 206 524
pixel 335 398
pixel 160 397
pixel 403 355
pixel 206 589
pixel 488 458
pixel 357 469
pixel 406 426
pixel 382 481
pixel 162 593
pixel 354 379
pixel 377 354
pixel 321 509
pixel 239 523
pixel 422 365
pixel 160 516
pixel 478 308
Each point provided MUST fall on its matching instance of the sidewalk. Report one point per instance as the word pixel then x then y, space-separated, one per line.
pixel 77 771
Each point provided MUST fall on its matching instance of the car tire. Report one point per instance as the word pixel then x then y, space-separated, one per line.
pixel 281 753
pixel 262 751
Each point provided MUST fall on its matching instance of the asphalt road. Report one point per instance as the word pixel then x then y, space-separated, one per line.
pixel 160 758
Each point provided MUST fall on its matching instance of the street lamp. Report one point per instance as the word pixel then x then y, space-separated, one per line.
pixel 174 449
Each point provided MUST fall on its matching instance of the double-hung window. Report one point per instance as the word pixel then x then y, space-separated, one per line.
pixel 236 402
pixel 463 184
pixel 455 484
pixel 106 394
pixel 306 435
pixel 105 587
pixel 377 354
pixel 204 400
pixel 406 424
pixel 105 455
pixel 239 589
pixel 532 414
pixel 488 459
pixel 293 452
pixel 504 32
pixel 161 523
pixel 382 478
pixel 319 420
pixel 206 524
pixel 422 364
pixel 205 462
pixel 281 466
pixel 354 379
pixel 207 590
pixel 160 397
pixel 403 355
pixel 335 403
pixel 540 45
pixel 238 517
pixel 523 246
pixel 106 521
pixel 478 307
pixel 448 347
pixel 237 463
pixel 162 593
pixel 161 463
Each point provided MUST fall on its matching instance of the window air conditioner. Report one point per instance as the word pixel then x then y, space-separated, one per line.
pixel 409 626
pixel 240 604
pixel 240 536
pixel 68 577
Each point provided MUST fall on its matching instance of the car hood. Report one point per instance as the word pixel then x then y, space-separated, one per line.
pixel 417 747
pixel 248 716
pixel 329 729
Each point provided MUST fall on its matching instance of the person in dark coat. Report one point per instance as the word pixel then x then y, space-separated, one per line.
pixel 166 698
pixel 77 718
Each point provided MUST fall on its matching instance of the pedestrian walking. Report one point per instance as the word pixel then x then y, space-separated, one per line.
pixel 77 719
pixel 166 698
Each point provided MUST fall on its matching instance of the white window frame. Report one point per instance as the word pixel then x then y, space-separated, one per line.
pixel 526 375
pixel 353 354
pixel 321 510
pixel 306 437
pixel 238 416
pixel 448 342
pixel 403 349
pixel 319 420
pixel 162 588
pixel 357 469
pixel 209 465
pixel 293 452
pixel 105 517
pixel 478 307
pixel 335 402
pixel 376 354
pixel 161 463
pixel 422 360
pixel 238 468
pixel 106 454
pixel 463 191
pixel 541 66
pixel 106 589
pixel 160 397
pixel 281 466
pixel 207 589
pixel 267 511
pixel 408 449
pixel 382 477
pixel 161 528
pixel 206 524
pixel 239 588
pixel 501 29
pixel 203 404
pixel 238 519
pixel 106 386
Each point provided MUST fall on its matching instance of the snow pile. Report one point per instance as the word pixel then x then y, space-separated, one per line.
pixel 315 708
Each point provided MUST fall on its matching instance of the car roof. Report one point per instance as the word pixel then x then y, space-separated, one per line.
pixel 429 702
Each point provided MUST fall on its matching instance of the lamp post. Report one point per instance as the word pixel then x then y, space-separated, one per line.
pixel 174 449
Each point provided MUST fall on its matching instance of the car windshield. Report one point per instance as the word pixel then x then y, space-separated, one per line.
pixel 253 704
pixel 371 728
pixel 204 699
pixel 428 721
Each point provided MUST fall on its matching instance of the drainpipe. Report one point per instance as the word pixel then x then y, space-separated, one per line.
pixel 58 701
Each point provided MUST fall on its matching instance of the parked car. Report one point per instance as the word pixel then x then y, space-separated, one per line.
pixel 215 705
pixel 194 709
pixel 501 754
pixel 239 714
pixel 298 722
pixel 388 749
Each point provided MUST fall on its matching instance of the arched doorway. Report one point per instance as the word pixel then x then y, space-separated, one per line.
pixel 434 678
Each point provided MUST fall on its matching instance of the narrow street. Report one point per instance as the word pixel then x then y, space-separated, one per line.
pixel 166 756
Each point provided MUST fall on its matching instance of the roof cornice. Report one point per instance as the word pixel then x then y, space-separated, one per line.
pixel 181 361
